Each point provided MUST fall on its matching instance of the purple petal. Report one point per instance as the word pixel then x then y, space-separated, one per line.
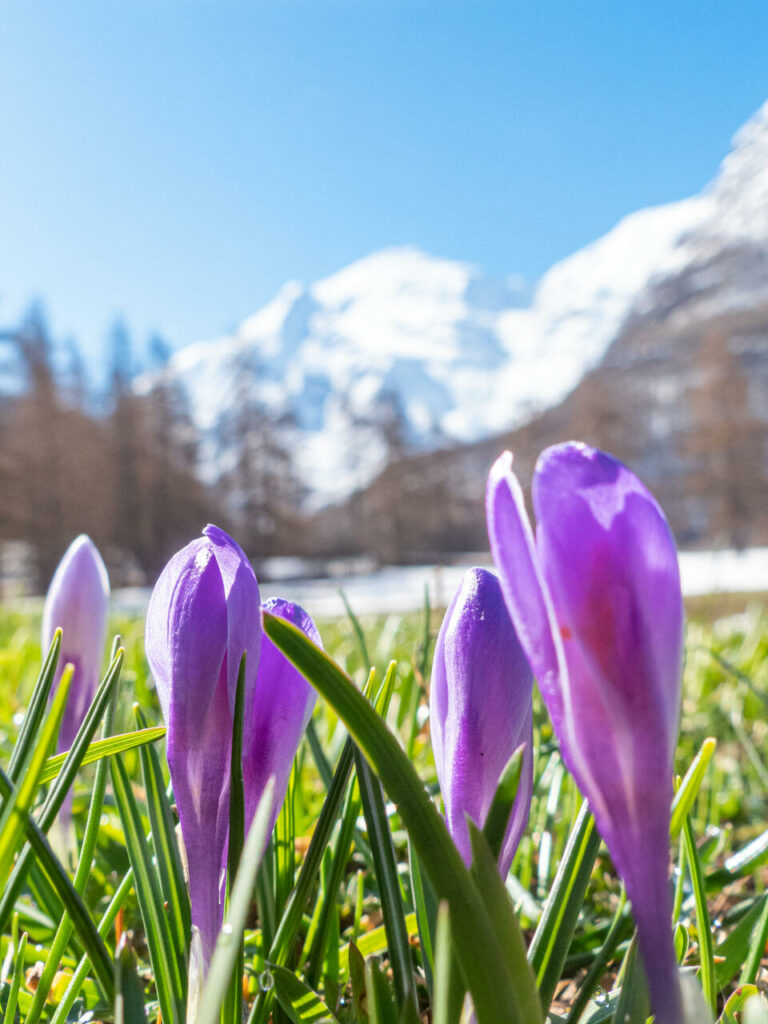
pixel 611 566
pixel 186 636
pixel 186 643
pixel 282 707
pixel 526 595
pixel 77 601
pixel 241 592
pixel 480 710
pixel 200 772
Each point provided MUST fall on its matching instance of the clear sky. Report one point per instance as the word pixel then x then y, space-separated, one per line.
pixel 175 161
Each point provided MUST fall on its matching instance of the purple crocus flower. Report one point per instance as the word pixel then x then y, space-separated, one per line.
pixel 480 711
pixel 596 602
pixel 77 601
pixel 203 615
pixel 282 706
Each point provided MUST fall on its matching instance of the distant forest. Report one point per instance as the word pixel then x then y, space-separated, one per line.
pixel 126 465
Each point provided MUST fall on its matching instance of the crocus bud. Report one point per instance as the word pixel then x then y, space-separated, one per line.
pixel 203 615
pixel 480 711
pixel 77 602
pixel 282 706
pixel 596 602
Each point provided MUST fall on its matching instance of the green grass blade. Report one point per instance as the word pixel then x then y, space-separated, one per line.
pixel 425 906
pixel 318 754
pixel 129 998
pixel 550 943
pixel 82 873
pixel 57 793
pixel 9 1016
pixel 444 969
pixel 358 631
pixel 756 949
pixel 300 1002
pixel 291 920
pixel 689 788
pixel 703 924
pixel 479 952
pixel 168 973
pixel 599 964
pixel 385 868
pixel 500 811
pixel 233 1008
pixel 100 749
pixel 19 802
pixel 506 927
pixel 227 945
pixel 341 856
pixel 381 1003
pixel 35 712
pixel 72 991
pixel 165 843
pixel 73 905
pixel 633 1006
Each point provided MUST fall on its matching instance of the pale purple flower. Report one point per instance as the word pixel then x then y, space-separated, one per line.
pixel 282 706
pixel 595 598
pixel 480 711
pixel 203 615
pixel 77 601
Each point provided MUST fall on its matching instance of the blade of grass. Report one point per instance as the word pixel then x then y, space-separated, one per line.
pixel 100 749
pixel 703 924
pixel 35 712
pixel 291 920
pixel 169 974
pixel 385 868
pixel 425 905
pixel 358 631
pixel 165 843
pixel 499 813
pixel 59 879
pixel 61 1012
pixel 9 1016
pixel 129 999
pixel 82 873
pixel 443 1009
pixel 506 927
pixel 18 803
pixel 550 943
pixel 57 793
pixel 589 985
pixel 756 949
pixel 300 1002
pixel 633 1006
pixel 479 952
pixel 233 1006
pixel 689 788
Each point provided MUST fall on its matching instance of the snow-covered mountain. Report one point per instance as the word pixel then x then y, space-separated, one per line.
pixel 449 355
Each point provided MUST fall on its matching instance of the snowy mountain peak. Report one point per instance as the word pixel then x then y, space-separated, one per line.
pixel 740 190
pixel 448 352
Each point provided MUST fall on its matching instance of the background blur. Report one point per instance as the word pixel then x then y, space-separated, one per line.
pixel 305 268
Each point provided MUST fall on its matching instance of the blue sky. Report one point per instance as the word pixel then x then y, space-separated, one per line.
pixel 175 161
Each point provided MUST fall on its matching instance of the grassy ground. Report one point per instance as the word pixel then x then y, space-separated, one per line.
pixel 725 696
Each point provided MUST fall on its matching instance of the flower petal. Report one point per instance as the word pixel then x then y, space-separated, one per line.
pixel 241 592
pixel 522 582
pixel 480 710
pixel 282 706
pixel 611 567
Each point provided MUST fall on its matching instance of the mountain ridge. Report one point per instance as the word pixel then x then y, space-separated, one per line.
pixel 439 354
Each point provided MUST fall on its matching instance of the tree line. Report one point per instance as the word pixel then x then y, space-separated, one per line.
pixel 124 465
